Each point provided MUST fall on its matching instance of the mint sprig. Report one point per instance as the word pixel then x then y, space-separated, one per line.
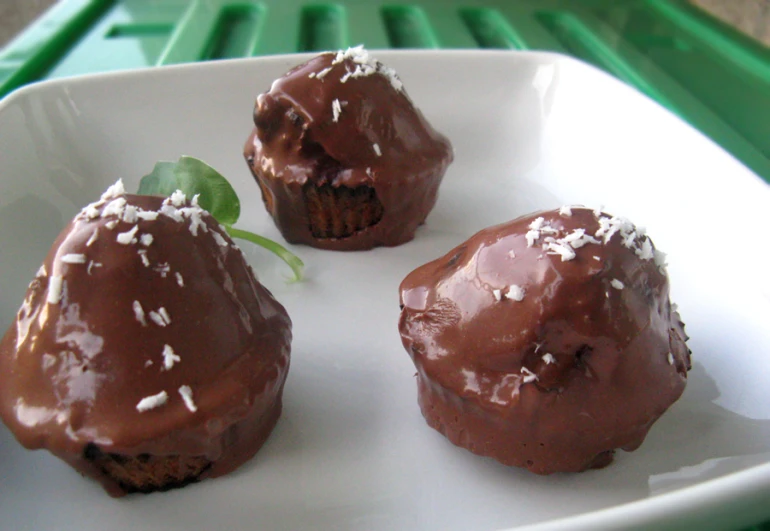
pixel 215 194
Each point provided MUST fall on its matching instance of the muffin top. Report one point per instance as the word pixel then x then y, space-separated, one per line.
pixel 346 119
pixel 560 323
pixel 143 320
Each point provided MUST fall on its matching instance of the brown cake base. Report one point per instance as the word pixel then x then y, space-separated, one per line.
pixel 492 434
pixel 340 212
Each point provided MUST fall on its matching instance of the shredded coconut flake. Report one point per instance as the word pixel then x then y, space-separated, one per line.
pixel 147 215
pixel 529 376
pixel 377 151
pixel 128 237
pixel 145 239
pixel 179 279
pixel 169 357
pixel 178 198
pixel 139 313
pixel 91 211
pixel 111 224
pixel 565 211
pixel 511 254
pixel 74 258
pixel 597 258
pixel 336 110
pixel 548 358
pixel 55 287
pixel 115 190
pixel 515 292
pixel 498 294
pixel 114 208
pixel 143 255
pixel 219 239
pixel 151 402
pixel 92 238
pixel 161 317
pixel 617 284
pixel 91 265
pixel 130 214
pixel 670 359
pixel 187 396
pixel 322 73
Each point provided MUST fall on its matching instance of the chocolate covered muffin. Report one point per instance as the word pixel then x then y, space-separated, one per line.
pixel 547 342
pixel 343 158
pixel 145 354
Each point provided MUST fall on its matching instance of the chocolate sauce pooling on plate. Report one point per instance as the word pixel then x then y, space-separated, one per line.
pixel 145 333
pixel 546 342
pixel 345 120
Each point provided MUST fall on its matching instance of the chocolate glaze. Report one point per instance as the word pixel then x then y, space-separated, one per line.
pixel 618 357
pixel 72 372
pixel 297 141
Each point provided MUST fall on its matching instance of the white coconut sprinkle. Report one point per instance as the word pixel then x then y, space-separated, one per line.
pixel 74 258
pixel 148 363
pixel 151 402
pixel 146 239
pixel 336 110
pixel 548 358
pixel 529 376
pixel 179 279
pixel 114 208
pixel 366 65
pixel 219 239
pixel 111 224
pixel 516 293
pixel 169 357
pixel 498 294
pixel 377 151
pixel 511 254
pixel 115 190
pixel 187 396
pixel 161 317
pixel 128 237
pixel 143 255
pixel 322 73
pixel 178 198
pixel 92 265
pixel 597 258
pixel 92 238
pixel 164 269
pixel 55 287
pixel 41 272
pixel 561 248
pixel 670 359
pixel 617 284
pixel 130 214
pixel 565 211
pixel 91 211
pixel 139 313
pixel 147 215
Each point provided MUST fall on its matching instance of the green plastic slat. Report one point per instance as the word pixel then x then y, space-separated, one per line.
pixel 408 27
pixel 367 26
pixel 490 29
pixel 714 77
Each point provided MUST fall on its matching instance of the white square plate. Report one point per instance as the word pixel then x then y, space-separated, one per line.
pixel 531 131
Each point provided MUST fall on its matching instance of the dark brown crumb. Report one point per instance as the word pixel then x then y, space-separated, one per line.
pixel 341 211
pixel 147 473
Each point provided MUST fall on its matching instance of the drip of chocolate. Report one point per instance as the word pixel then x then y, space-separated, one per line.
pixel 343 122
pixel 546 342
pixel 145 344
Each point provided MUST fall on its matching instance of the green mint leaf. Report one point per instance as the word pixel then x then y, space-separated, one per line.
pixel 284 254
pixel 194 177
pixel 215 194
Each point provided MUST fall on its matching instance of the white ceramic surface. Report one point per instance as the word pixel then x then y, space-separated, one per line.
pixel 531 131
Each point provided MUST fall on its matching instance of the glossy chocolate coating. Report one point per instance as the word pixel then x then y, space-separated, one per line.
pixel 582 365
pixel 73 372
pixel 297 140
